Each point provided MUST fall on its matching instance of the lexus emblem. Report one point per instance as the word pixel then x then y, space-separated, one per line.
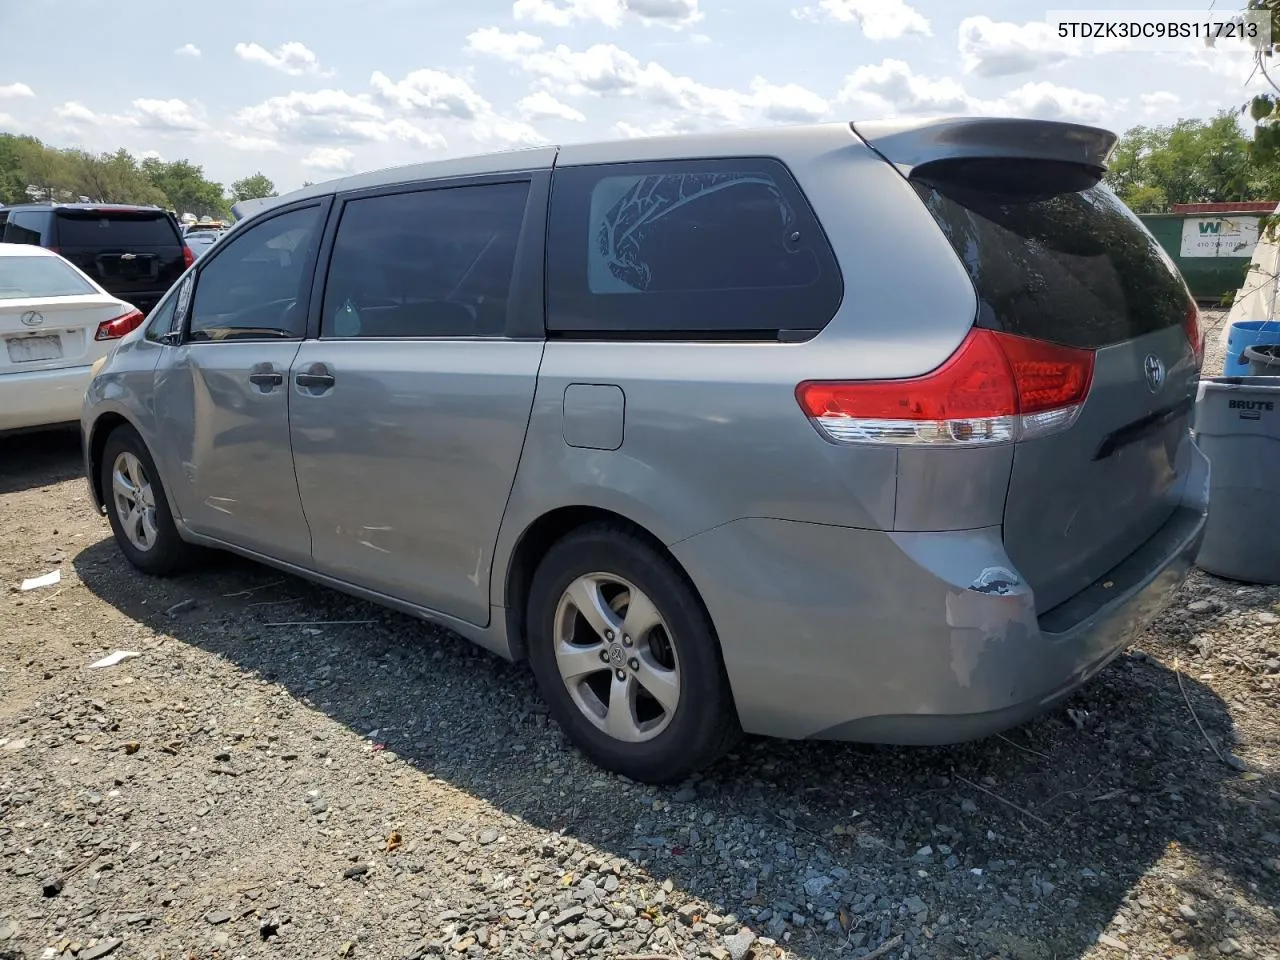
pixel 32 318
pixel 1153 367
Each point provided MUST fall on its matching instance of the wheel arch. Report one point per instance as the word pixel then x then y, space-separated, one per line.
pixel 96 442
pixel 541 535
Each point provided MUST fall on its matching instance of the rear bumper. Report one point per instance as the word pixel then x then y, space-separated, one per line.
pixel 42 398
pixel 920 638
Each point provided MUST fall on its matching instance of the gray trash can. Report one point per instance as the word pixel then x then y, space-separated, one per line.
pixel 1237 425
pixel 1263 360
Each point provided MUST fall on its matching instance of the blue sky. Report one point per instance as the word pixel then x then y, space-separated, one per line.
pixel 312 89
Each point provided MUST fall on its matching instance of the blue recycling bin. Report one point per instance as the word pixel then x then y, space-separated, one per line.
pixel 1247 333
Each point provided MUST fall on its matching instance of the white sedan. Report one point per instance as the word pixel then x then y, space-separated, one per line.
pixel 54 323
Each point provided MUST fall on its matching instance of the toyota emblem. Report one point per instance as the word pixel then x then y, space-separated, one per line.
pixel 32 318
pixel 1153 367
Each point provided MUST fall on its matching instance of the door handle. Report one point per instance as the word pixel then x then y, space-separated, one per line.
pixel 321 380
pixel 267 379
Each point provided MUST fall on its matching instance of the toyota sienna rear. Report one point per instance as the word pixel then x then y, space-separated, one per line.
pixel 872 432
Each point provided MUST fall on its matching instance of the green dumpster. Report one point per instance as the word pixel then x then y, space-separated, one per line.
pixel 1211 250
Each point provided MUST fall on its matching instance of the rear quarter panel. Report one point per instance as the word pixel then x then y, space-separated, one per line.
pixel 712 431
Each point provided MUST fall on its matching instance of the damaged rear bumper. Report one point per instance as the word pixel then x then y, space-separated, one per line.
pixel 917 638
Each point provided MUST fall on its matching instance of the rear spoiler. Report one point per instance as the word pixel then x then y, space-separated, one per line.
pixel 909 144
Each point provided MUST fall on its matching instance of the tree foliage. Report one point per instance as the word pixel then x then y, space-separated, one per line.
pixel 187 188
pixel 32 170
pixel 1264 109
pixel 1191 161
pixel 253 187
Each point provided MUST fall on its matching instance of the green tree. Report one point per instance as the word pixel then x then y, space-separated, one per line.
pixel 1146 199
pixel 1190 161
pixel 253 187
pixel 15 152
pixel 113 178
pixel 186 186
pixel 30 170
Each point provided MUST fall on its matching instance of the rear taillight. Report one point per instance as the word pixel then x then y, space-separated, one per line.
pixel 188 256
pixel 1195 334
pixel 117 328
pixel 995 388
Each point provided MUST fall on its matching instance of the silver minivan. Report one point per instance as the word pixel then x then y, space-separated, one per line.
pixel 873 432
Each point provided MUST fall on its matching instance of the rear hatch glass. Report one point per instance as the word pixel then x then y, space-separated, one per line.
pixel 1054 255
pixel 134 255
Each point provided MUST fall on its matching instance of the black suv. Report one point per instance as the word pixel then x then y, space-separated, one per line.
pixel 134 253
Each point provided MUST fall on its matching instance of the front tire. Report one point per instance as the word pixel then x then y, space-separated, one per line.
pixel 626 658
pixel 138 508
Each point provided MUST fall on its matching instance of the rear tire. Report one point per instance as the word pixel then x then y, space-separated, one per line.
pixel 138 507
pixel 626 658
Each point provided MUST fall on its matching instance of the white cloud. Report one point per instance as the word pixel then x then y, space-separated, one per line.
pixel 991 48
pixel 7 122
pixel 439 96
pixel 605 70
pixel 893 87
pixel 541 105
pixel 292 57
pixel 330 159
pixel 878 19
pixel 1048 101
pixel 495 42
pixel 171 117
pixel 431 93
pixel 670 13
pixel 14 91
pixel 498 131
pixel 1236 67
pixel 238 141
pixel 611 13
pixel 75 112
pixel 1161 98
pixel 320 116
pixel 188 50
pixel 789 103
pixel 174 114
pixel 336 118
pixel 659 128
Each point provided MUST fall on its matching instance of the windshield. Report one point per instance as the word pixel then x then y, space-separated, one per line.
pixel 23 278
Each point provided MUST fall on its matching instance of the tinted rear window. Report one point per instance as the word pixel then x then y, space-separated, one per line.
pixel 1052 252
pixel 686 247
pixel 115 230
pixel 430 263
pixel 29 277
pixel 25 226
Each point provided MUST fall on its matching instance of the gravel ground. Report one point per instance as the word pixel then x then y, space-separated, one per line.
pixel 381 789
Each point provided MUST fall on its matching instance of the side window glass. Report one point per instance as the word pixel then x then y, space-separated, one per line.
pixel 170 314
pixel 254 288
pixel 687 246
pixel 23 226
pixel 161 321
pixel 182 302
pixel 433 263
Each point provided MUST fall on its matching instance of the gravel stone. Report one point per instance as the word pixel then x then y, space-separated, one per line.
pixel 435 767
pixel 100 949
